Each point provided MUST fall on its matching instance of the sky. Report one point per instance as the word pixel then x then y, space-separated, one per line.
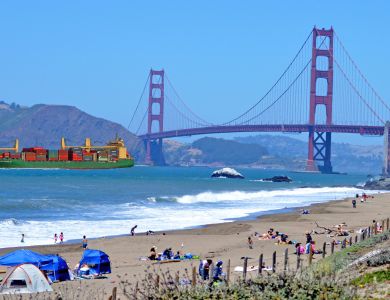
pixel 221 56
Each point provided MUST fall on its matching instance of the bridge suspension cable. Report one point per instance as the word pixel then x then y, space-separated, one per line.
pixel 361 74
pixel 359 85
pixel 139 101
pixel 355 101
pixel 274 85
pixel 202 121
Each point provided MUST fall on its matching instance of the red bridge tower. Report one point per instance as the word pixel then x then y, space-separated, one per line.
pixel 320 142
pixel 154 152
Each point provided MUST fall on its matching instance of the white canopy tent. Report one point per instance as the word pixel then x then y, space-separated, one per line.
pixel 25 278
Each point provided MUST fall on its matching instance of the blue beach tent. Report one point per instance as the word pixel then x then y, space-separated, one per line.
pixel 58 269
pixel 97 261
pixel 55 266
pixel 24 256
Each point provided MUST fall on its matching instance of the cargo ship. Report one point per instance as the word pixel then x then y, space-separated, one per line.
pixel 111 156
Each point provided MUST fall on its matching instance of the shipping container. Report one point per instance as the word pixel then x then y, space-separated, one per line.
pixel 52 153
pixel 29 156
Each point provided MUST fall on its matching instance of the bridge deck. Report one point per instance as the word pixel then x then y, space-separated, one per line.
pixel 357 129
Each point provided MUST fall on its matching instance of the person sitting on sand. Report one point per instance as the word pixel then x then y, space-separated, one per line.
pixel 206 269
pixel 264 237
pixel 305 212
pixel 341 231
pixel 168 253
pixel 275 235
pixel 283 239
pixel 153 254
pixel 177 255
pixel 217 271
pixel 299 249
pixel 313 250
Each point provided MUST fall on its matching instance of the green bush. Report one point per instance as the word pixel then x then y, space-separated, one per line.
pixel 374 277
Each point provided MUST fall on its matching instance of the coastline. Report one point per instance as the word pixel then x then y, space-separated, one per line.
pixel 220 241
pixel 249 217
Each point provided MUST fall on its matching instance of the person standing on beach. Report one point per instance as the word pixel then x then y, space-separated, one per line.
pixel 250 242
pixel 22 240
pixel 132 231
pixel 354 203
pixel 55 238
pixel 61 238
pixel 85 242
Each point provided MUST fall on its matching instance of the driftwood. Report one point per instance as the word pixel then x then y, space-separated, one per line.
pixel 327 230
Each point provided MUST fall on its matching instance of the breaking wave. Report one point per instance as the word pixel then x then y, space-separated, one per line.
pixel 297 194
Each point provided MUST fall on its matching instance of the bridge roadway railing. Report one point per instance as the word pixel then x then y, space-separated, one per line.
pixel 355 129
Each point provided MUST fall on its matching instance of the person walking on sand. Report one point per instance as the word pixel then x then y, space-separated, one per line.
pixel 132 231
pixel 85 242
pixel 250 242
pixel 354 203
pixel 55 238
pixel 61 238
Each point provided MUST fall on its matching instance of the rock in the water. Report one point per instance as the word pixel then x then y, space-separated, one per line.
pixel 228 173
pixel 278 179
pixel 377 184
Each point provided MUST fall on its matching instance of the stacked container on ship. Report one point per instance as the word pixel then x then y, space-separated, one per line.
pixel 112 155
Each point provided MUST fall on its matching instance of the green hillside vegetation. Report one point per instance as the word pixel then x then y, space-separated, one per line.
pixel 229 152
pixel 345 157
pixel 44 125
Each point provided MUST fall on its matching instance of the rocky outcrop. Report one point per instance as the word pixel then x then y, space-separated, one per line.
pixel 278 179
pixel 377 184
pixel 227 173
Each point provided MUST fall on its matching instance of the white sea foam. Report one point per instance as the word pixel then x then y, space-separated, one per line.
pixel 296 194
pixel 191 210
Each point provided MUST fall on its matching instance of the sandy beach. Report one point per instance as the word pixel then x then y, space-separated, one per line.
pixel 222 241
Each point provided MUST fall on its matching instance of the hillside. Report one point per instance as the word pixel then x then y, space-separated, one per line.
pixel 220 152
pixel 44 125
pixel 272 152
pixel 345 157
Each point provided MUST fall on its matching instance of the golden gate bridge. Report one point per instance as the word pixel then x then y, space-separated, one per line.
pixel 322 91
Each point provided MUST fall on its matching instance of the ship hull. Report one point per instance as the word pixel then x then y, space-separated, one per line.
pixel 21 164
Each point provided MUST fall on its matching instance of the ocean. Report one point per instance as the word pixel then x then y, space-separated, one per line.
pixel 100 203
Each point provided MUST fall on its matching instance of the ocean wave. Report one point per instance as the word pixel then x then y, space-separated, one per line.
pixel 12 222
pixel 161 199
pixel 296 194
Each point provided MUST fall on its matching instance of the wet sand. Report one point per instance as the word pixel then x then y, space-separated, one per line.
pixel 222 241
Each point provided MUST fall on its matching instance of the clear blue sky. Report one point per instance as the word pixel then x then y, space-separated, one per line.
pixel 220 55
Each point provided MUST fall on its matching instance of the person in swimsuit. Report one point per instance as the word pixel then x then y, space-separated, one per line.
pixel 85 242
pixel 61 238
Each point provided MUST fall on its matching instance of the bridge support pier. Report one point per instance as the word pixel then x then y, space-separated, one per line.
pixel 320 144
pixel 154 152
